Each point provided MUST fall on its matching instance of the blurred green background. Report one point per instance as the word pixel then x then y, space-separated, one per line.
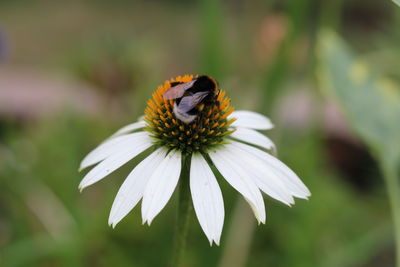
pixel 326 72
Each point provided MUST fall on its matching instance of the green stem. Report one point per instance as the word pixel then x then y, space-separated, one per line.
pixel 393 189
pixel 184 211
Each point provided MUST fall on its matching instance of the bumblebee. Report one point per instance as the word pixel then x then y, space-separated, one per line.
pixel 191 97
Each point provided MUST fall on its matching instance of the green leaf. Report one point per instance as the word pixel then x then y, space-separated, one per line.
pixel 370 102
pixel 372 106
pixel 396 2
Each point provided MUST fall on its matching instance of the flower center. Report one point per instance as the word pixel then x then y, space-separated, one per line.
pixel 208 129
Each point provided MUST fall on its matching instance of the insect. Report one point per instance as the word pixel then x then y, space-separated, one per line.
pixel 191 97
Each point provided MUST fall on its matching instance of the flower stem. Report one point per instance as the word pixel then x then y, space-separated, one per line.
pixel 183 216
pixel 393 189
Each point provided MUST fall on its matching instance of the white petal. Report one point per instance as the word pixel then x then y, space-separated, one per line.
pixel 128 128
pixel 263 175
pixel 131 191
pixel 236 176
pixel 250 119
pixel 253 137
pixel 114 161
pixel 112 146
pixel 291 180
pixel 207 198
pixel 161 185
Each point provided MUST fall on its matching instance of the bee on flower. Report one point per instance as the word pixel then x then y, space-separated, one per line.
pixel 189 122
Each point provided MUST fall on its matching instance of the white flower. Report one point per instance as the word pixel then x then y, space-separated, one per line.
pixel 226 139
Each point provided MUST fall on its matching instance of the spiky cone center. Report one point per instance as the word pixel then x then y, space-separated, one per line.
pixel 206 131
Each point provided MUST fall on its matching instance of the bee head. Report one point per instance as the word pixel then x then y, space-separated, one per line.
pixel 206 83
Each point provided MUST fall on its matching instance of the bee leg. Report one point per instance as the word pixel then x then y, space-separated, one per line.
pixel 200 124
pixel 200 121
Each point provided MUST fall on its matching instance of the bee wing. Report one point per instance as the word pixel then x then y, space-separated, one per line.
pixel 178 90
pixel 189 102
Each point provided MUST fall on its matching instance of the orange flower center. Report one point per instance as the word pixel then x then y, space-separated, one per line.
pixel 208 129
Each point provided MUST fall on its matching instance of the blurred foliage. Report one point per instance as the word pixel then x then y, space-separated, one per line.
pixel 111 67
pixel 359 89
pixel 262 52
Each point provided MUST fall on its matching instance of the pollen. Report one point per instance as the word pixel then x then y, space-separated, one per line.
pixel 207 130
